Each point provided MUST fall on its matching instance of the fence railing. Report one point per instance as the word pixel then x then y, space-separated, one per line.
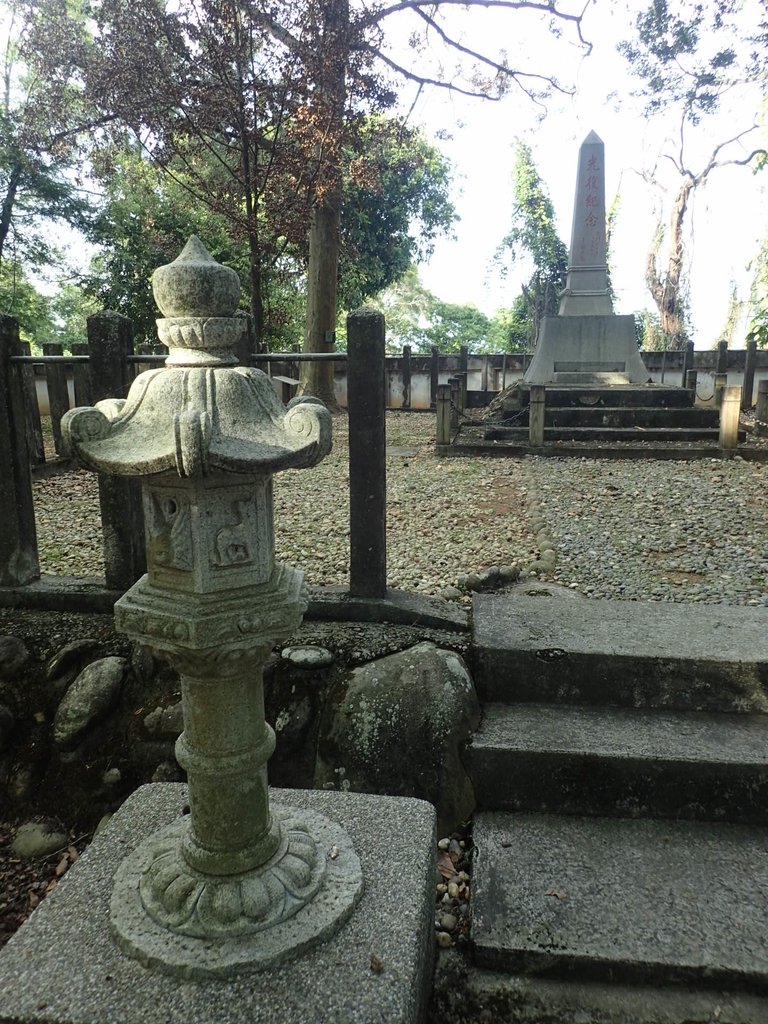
pixel 107 364
pixel 105 368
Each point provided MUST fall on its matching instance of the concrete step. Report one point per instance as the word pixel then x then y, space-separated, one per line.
pixel 669 434
pixel 622 761
pixel 658 395
pixel 622 653
pixel 464 993
pixel 622 416
pixel 606 899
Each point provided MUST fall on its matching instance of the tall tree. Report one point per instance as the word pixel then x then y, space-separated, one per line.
pixel 689 56
pixel 43 128
pixel 275 93
pixel 533 237
pixel 392 207
pixel 395 203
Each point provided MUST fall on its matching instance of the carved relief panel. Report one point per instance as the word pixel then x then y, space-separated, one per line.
pixel 211 535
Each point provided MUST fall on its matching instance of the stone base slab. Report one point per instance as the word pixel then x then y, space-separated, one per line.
pixel 590 344
pixel 63 967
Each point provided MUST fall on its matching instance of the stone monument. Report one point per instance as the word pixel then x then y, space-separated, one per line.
pixel 587 343
pixel 236 883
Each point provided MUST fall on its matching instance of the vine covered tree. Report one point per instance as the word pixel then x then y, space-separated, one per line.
pixel 689 57
pixel 533 237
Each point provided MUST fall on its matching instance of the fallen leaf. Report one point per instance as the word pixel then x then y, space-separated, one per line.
pixel 376 965
pixel 556 892
pixel 445 865
pixel 72 854
pixel 62 867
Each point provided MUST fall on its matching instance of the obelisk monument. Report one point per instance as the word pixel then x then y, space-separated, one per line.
pixel 587 343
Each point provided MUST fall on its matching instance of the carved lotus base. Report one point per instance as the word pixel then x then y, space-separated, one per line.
pixel 183 922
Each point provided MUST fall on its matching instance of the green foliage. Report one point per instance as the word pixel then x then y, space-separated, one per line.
pixel 395 203
pixel 690 53
pixel 416 317
pixel 452 326
pixel 43 126
pixel 533 236
pixel 19 298
pixel 148 215
pixel 649 332
pixel 70 308
pixel 510 329
pixel 757 327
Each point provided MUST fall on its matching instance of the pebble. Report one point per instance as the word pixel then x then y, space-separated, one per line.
pixel 444 940
pixel 308 656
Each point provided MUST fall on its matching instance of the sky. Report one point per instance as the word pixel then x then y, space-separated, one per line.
pixel 729 217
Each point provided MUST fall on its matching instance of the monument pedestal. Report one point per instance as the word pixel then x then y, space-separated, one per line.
pixel 587 350
pixel 64 967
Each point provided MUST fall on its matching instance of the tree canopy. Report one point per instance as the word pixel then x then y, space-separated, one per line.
pixel 280 98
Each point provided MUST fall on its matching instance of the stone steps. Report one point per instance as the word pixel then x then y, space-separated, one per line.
pixel 567 650
pixel 632 395
pixel 622 762
pixel 622 416
pixel 621 770
pixel 671 434
pixel 620 900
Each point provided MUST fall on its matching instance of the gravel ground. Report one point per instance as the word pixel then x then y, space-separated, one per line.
pixel 638 530
pixel 658 531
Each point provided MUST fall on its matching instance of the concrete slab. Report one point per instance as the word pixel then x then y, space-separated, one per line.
pixel 620 900
pixel 622 761
pixel 630 653
pixel 464 993
pixel 400 607
pixel 63 967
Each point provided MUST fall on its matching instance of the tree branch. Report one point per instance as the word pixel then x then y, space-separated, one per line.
pixel 375 17
pixel 498 68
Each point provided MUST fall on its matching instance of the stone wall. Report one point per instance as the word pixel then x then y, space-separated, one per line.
pixel 86 717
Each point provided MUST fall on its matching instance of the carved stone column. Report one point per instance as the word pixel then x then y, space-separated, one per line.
pixel 237 884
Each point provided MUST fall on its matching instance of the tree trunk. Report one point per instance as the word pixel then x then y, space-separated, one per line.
pixel 667 289
pixel 6 207
pixel 322 274
pixel 325 220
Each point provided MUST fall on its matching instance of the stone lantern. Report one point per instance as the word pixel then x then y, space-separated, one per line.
pixel 236 884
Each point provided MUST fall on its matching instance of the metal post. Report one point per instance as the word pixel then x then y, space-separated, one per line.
pixel 748 386
pixel 406 377
pixel 730 407
pixel 721 380
pixel 721 365
pixel 434 376
pixel 453 384
pixel 536 415
pixel 761 409
pixel 18 538
pixel 443 414
pixel 367 454
pixel 110 341
pixel 687 362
